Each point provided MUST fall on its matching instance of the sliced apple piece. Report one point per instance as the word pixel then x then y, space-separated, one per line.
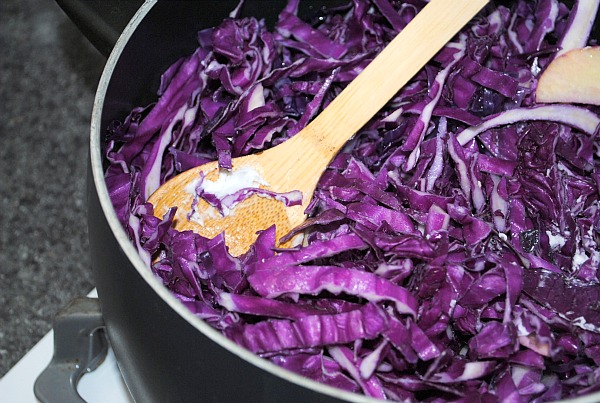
pixel 573 77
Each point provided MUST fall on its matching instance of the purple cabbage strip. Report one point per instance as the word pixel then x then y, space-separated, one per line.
pixel 580 24
pixel 371 386
pixel 451 249
pixel 578 117
pixel 313 280
pixel 310 331
pixel 415 138
pixel 228 203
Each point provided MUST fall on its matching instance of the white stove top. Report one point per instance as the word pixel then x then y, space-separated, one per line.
pixel 105 384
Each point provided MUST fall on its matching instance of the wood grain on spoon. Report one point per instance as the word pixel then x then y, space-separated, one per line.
pixel 298 163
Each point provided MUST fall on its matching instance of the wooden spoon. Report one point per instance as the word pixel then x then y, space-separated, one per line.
pixel 298 163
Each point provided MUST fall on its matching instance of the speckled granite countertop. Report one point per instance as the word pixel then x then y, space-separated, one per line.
pixel 48 76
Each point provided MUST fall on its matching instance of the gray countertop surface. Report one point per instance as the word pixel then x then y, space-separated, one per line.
pixel 48 76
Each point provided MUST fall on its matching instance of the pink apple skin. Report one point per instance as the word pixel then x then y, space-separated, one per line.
pixel 573 77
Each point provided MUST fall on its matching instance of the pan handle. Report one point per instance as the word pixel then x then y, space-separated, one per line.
pixel 101 21
pixel 79 347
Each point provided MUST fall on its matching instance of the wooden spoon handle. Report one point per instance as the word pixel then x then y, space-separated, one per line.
pixel 401 59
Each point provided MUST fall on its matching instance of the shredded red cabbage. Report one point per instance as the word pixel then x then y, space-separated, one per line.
pixel 452 246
